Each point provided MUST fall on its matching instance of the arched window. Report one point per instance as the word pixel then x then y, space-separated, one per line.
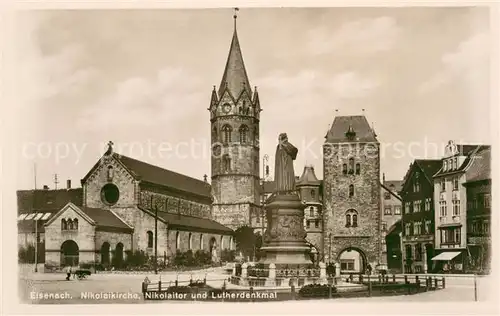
pixel 64 224
pixel 70 224
pixel 110 173
pixel 190 241
pixel 226 130
pixel 311 211
pixel 226 163
pixel 150 239
pixel 313 194
pixel 344 168
pixel 358 168
pixel 75 224
pixel 243 133
pixel 351 190
pixel 177 241
pixel 351 218
pixel 201 241
pixel 347 220
pixel 351 165
pixel 214 133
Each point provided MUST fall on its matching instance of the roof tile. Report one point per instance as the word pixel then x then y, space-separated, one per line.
pixel 358 123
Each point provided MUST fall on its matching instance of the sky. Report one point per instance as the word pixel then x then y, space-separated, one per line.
pixel 143 79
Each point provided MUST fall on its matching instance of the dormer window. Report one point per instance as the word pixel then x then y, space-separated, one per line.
pixel 350 134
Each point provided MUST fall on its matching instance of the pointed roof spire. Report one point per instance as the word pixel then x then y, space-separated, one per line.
pixel 308 177
pixel 235 75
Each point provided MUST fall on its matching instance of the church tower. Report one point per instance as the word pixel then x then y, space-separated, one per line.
pixel 351 194
pixel 234 117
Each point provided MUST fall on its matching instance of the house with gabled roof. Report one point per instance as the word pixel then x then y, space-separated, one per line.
pixel 417 222
pixel 450 198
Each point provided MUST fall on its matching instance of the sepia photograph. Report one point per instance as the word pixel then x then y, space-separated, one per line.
pixel 231 155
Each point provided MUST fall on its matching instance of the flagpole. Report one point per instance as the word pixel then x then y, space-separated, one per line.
pixel 36 223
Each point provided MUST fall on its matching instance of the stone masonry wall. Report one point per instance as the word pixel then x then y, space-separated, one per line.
pixel 175 205
pixel 55 236
pixel 366 200
pixel 142 223
pixel 199 241
pixel 121 178
pixel 113 239
pixel 232 216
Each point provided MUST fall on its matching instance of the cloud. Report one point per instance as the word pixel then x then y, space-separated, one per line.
pixel 44 76
pixel 304 103
pixel 141 102
pixel 363 36
pixel 468 63
pixel 293 92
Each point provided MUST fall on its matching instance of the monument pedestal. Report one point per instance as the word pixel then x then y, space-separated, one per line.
pixel 284 240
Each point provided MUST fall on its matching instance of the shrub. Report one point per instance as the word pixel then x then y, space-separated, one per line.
pixel 188 259
pixel 316 290
pixel 179 289
pixel 86 265
pixel 197 283
pixel 228 255
pixel 137 258
pixel 258 270
pixel 202 258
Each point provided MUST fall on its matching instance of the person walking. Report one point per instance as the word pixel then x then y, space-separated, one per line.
pixel 369 269
pixel 68 272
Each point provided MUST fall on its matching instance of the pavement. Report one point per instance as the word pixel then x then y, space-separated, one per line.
pixel 106 288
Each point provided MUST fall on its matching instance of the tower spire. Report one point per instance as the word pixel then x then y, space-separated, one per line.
pixel 235 77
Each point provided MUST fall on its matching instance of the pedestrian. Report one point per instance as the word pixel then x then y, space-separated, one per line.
pixel 68 272
pixel 369 269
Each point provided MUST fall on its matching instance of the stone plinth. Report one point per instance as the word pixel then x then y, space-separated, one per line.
pixel 284 240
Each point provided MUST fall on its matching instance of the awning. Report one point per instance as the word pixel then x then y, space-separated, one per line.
pixel 449 225
pixel 34 217
pixel 446 256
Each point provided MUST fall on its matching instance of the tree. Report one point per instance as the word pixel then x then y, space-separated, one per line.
pixel 258 244
pixel 245 240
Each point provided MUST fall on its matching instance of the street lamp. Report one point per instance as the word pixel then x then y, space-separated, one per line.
pixel 265 174
pixel 36 243
pixel 156 239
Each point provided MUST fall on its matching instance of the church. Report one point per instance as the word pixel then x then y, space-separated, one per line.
pixel 114 211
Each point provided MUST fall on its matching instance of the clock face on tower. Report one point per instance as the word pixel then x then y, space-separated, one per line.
pixel 226 108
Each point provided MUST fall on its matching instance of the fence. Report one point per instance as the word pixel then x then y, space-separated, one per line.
pixel 351 286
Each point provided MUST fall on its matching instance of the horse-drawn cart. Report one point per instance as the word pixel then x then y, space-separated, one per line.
pixel 82 274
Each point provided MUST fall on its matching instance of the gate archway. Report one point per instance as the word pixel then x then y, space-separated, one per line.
pixel 105 253
pixel 69 253
pixel 118 255
pixel 352 260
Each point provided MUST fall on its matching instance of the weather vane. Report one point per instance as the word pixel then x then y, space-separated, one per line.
pixel 235 16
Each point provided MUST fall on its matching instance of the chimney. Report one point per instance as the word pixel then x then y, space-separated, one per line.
pixel 68 184
pixel 45 187
pixel 205 178
pixel 383 177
